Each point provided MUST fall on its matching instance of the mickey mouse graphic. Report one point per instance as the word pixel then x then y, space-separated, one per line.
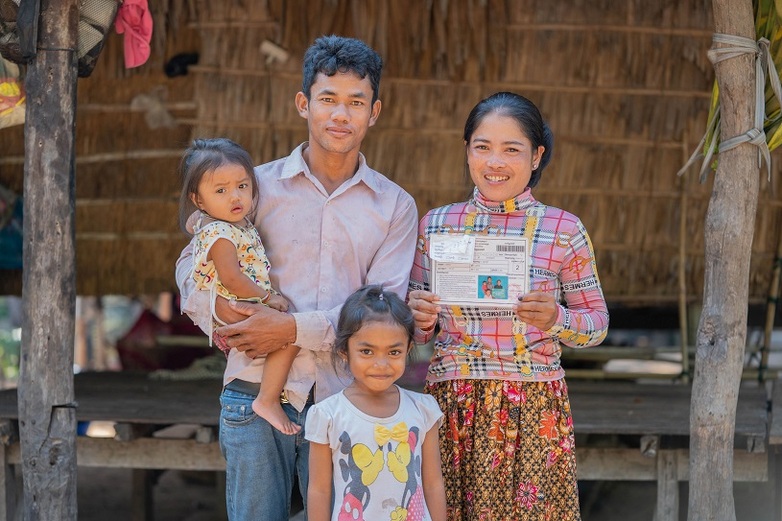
pixel 355 496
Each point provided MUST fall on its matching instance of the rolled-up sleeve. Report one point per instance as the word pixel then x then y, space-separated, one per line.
pixel 315 330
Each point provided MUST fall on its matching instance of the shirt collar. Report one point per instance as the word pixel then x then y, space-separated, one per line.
pixel 295 165
pixel 520 203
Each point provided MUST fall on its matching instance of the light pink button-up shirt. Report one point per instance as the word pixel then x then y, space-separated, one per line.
pixel 321 248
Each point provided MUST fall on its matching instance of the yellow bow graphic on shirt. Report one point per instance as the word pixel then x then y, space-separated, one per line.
pixel 370 463
pixel 398 433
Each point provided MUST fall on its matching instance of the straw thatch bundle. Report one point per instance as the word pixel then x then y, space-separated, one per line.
pixel 624 85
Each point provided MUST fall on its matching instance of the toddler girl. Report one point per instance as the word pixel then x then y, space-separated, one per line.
pixel 219 191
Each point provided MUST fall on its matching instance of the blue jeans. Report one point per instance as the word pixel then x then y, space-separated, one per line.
pixel 260 460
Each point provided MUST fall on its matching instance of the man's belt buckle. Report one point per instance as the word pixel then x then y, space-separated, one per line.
pixel 284 396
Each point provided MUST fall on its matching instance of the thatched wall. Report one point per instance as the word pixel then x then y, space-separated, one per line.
pixel 127 237
pixel 625 86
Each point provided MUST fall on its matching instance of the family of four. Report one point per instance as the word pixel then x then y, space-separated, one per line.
pixel 311 273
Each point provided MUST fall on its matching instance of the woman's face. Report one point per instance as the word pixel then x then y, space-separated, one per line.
pixel 501 158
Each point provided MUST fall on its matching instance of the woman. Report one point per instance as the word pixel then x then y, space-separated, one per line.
pixel 508 445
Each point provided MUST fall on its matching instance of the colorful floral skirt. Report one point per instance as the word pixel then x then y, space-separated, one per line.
pixel 507 450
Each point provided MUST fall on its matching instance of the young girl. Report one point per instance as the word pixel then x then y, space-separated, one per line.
pixel 374 444
pixel 219 190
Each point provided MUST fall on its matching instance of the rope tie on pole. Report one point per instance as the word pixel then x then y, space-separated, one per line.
pixel 736 46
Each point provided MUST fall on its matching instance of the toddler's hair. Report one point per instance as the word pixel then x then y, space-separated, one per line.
pixel 370 303
pixel 202 157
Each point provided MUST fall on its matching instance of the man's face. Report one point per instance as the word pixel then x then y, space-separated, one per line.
pixel 338 112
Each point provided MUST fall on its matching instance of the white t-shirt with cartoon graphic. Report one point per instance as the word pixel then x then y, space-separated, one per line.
pixel 377 461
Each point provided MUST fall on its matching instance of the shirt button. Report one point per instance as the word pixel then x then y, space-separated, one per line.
pixel 323 290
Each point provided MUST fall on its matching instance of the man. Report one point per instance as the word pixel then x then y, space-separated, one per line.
pixel 329 224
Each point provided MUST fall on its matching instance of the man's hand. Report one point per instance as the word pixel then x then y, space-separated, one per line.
pixel 260 329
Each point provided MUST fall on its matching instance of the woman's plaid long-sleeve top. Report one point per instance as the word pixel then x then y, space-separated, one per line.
pixel 492 343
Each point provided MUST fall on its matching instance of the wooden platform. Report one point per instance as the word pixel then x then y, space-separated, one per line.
pixel 612 407
pixel 625 431
pixel 141 407
pixel 640 432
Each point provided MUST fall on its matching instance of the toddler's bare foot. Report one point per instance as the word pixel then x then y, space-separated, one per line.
pixel 271 411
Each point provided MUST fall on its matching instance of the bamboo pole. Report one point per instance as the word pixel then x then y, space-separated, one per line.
pixel 47 415
pixel 771 311
pixel 683 320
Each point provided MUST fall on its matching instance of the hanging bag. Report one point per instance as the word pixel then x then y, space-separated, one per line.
pixel 11 94
pixel 16 31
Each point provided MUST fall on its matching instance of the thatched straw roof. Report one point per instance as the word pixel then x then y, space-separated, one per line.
pixel 624 85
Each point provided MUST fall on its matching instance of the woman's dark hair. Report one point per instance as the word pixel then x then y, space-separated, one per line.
pixel 526 115
pixel 370 303
pixel 333 54
pixel 204 156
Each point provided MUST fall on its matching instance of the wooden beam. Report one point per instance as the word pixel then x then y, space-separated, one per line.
pixel 141 453
pixel 688 32
pixel 47 416
pixel 594 463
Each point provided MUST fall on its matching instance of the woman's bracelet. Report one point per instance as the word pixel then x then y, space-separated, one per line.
pixel 265 299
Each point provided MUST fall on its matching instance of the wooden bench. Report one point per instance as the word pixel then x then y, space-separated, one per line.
pixel 625 431
pixel 139 406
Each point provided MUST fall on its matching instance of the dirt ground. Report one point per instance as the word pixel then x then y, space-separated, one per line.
pixel 106 494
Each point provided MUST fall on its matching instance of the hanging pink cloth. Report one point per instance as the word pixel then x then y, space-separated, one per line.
pixel 135 21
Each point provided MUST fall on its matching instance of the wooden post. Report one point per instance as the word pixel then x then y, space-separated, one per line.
pixel 667 507
pixel 47 419
pixel 8 489
pixel 141 505
pixel 729 228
